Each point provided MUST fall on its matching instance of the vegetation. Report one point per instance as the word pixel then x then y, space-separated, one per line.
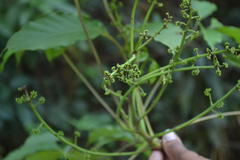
pixel 135 84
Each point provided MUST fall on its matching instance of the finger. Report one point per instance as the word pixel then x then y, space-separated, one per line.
pixel 156 155
pixel 175 150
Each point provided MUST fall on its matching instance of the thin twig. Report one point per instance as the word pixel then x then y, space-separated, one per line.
pixel 213 116
pixel 203 113
pixel 94 51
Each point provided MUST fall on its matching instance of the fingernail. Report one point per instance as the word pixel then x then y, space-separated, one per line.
pixel 170 137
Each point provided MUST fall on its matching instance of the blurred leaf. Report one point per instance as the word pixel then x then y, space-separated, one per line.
pixel 211 36
pixel 109 134
pixel 54 53
pixel 45 155
pixel 231 31
pixel 92 121
pixel 153 66
pixel 47 6
pixel 33 144
pixel 50 32
pixel 233 60
pixel 170 36
pixel 215 24
pixel 204 8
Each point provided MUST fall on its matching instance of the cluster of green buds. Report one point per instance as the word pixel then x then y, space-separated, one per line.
pixel 207 92
pixel 126 73
pixel 28 97
pixel 145 34
pixel 166 78
pixel 186 9
pixel 232 50
pixel 215 60
pixel 167 19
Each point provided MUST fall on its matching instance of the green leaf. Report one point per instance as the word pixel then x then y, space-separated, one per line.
pixel 50 32
pixel 53 53
pixel 204 8
pixel 170 36
pixel 215 24
pixel 45 155
pixel 211 36
pixel 231 31
pixel 109 134
pixel 33 144
pixel 233 60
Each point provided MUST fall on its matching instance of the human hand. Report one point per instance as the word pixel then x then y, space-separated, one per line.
pixel 173 149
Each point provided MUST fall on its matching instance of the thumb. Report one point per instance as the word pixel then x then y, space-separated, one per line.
pixel 175 150
pixel 156 155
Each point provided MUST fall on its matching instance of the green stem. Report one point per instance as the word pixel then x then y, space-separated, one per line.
pixel 116 43
pixel 90 87
pixel 139 151
pixel 156 100
pixel 145 78
pixel 67 142
pixel 179 52
pixel 94 51
pixel 152 93
pixel 133 25
pixel 150 39
pixel 213 116
pixel 203 113
pixel 150 9
pixel 111 16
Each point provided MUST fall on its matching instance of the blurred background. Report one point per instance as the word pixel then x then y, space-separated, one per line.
pixel 71 106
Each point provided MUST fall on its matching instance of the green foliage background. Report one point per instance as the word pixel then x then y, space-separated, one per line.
pixel 70 105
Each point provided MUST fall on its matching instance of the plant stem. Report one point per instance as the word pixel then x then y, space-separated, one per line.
pixel 145 78
pixel 155 101
pixel 116 43
pixel 94 51
pixel 139 151
pixel 150 9
pixel 213 116
pixel 203 113
pixel 111 16
pixel 152 93
pixel 90 87
pixel 67 142
pixel 133 25
pixel 150 39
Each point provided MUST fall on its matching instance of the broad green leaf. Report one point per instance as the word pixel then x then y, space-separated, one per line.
pixel 170 37
pixel 231 31
pixel 204 8
pixel 92 121
pixel 211 35
pixel 45 155
pixel 33 144
pixel 50 32
pixel 109 134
